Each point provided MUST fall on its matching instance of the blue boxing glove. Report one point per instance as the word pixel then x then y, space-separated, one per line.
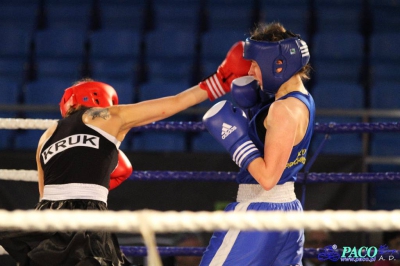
pixel 248 95
pixel 245 92
pixel 229 126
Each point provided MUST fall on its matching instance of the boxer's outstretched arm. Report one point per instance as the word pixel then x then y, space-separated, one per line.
pixel 142 113
pixel 117 120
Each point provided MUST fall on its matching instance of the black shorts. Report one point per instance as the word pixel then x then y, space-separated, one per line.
pixel 64 248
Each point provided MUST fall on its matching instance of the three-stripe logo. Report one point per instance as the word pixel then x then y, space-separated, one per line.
pixel 304 49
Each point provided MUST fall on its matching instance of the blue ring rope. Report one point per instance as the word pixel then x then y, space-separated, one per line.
pixel 332 127
pixel 231 177
pixel 141 251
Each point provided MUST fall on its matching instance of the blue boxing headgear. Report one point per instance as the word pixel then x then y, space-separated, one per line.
pixel 289 54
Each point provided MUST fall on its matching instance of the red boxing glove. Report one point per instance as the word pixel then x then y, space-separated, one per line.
pixel 234 66
pixel 122 171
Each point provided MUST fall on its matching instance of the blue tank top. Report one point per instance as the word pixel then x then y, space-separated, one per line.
pixel 297 158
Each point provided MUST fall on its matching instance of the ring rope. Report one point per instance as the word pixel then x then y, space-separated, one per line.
pixel 332 127
pixel 140 251
pixel 3 251
pixel 188 221
pixel 19 175
pixel 21 123
pixel 31 176
pixel 149 238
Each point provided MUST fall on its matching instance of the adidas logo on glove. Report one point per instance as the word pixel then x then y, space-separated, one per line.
pixel 235 124
pixel 227 130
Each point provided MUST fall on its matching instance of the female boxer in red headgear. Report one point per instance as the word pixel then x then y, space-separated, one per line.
pixel 77 156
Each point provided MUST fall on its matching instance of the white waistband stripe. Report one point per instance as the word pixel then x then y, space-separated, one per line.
pixel 75 191
pixel 256 193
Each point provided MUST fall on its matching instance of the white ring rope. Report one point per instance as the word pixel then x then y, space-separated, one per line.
pixel 149 222
pixel 19 175
pixel 3 251
pixel 173 221
pixel 20 123
pixel 150 242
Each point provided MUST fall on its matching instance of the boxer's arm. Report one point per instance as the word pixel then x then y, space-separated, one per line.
pixel 40 176
pixel 117 120
pixel 46 135
pixel 211 88
pixel 281 125
pixel 142 113
pixel 125 117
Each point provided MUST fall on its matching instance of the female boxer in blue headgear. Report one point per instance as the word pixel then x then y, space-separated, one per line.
pixel 270 147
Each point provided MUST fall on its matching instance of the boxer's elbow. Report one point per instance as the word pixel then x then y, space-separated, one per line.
pixel 267 183
pixel 265 176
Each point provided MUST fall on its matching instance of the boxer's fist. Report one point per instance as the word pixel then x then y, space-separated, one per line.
pixel 233 66
pixel 245 92
pixel 122 171
pixel 229 126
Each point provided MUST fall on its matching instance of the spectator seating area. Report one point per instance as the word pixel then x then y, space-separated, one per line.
pixel 152 48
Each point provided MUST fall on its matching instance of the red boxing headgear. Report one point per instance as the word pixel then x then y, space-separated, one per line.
pixel 90 94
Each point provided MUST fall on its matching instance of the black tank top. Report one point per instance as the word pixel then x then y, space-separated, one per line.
pixel 76 153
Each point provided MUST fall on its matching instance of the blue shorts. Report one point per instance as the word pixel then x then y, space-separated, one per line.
pixel 263 248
